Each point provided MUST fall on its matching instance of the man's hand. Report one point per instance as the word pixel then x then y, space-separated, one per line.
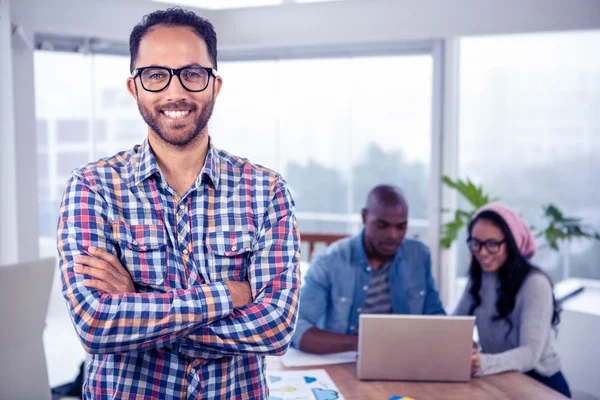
pixel 108 273
pixel 241 294
pixel 318 341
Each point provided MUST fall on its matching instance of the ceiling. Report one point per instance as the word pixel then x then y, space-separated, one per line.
pixel 228 4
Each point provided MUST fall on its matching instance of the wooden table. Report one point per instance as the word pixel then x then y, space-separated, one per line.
pixel 510 385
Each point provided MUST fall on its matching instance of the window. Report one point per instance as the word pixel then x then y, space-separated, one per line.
pixel 222 4
pixel 334 127
pixel 226 4
pixel 529 129
pixel 82 115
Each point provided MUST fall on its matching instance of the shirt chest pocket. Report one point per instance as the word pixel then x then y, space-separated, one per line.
pixel 339 314
pixel 415 298
pixel 143 251
pixel 229 254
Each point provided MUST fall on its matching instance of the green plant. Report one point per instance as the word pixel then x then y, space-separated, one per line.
pixel 475 196
pixel 563 228
pixel 559 228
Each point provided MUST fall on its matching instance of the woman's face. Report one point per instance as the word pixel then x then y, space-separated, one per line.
pixel 488 245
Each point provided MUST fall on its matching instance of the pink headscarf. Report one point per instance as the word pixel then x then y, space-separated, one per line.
pixel 518 228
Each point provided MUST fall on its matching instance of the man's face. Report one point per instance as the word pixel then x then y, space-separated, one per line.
pixel 178 117
pixel 385 229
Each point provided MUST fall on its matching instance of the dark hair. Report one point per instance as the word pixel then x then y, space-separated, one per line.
pixel 175 16
pixel 511 274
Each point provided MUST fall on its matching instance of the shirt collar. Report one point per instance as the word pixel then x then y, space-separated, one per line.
pixel 147 165
pixel 212 166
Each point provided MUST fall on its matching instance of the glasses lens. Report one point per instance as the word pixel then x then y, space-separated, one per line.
pixel 155 78
pixel 492 247
pixel 194 78
pixel 474 245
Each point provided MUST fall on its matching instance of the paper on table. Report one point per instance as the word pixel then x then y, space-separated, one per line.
pixel 302 385
pixel 297 358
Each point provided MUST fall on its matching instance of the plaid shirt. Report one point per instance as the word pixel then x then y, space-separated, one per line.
pixel 178 336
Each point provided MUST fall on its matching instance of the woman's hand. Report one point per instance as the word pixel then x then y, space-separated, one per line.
pixel 475 361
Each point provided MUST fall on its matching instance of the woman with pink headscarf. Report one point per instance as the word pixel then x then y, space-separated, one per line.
pixel 512 300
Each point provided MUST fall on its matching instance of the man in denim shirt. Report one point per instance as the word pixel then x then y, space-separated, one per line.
pixel 377 271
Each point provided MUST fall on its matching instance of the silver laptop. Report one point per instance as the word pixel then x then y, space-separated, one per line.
pixel 415 347
pixel 24 297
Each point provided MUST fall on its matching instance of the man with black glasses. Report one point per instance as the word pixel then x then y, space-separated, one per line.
pixel 179 261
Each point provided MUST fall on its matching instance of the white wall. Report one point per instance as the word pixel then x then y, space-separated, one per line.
pixel 578 348
pixel 577 342
pixel 18 164
pixel 367 21
pixel 329 23
pixel 106 19
pixel 8 198
pixel 25 140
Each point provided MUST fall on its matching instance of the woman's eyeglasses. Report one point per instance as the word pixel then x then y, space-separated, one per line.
pixel 492 246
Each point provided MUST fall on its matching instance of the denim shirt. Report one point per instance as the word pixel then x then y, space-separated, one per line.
pixel 336 284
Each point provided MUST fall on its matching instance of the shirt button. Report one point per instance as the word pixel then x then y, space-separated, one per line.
pixel 359 309
pixel 353 328
pixel 182 207
pixel 366 287
pixel 233 248
pixel 135 243
pixel 369 269
pixel 343 299
pixel 185 251
pixel 422 293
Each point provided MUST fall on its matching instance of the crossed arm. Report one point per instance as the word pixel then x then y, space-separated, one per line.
pixel 209 320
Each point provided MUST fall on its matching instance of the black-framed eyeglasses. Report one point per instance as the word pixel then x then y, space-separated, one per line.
pixel 193 78
pixel 492 246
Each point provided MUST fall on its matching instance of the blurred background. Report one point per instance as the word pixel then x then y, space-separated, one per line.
pixel 338 96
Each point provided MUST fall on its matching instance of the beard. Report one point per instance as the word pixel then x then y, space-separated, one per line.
pixel 178 134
